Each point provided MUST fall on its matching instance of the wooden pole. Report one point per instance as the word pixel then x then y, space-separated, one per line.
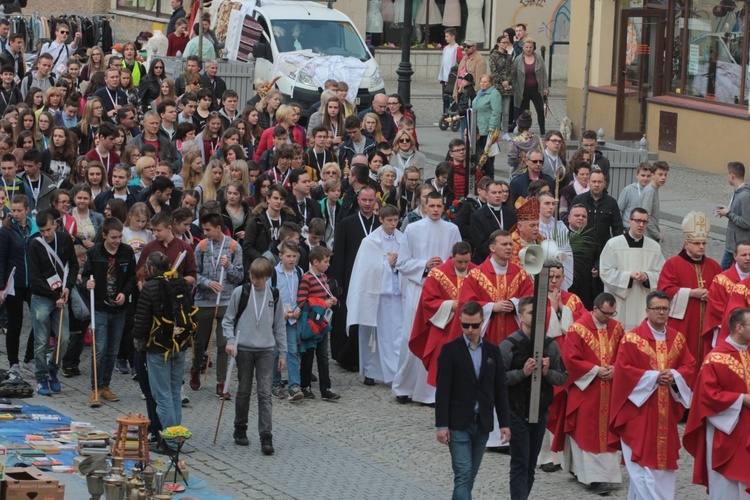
pixel 218 420
pixel 213 326
pixel 59 335
pixel 93 341
pixel 538 333
pixel 587 69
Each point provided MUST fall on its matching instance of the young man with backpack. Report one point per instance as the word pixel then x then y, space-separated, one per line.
pixel 218 259
pixel 53 269
pixel 164 328
pixel 256 307
pixel 112 266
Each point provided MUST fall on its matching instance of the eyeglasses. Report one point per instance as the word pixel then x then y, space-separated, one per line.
pixel 462 150
pixel 536 162
pixel 608 314
pixel 640 221
pixel 404 141
pixel 412 180
pixel 660 310
pixel 588 146
pixel 473 326
pixel 64 32
pixel 555 140
pixel 158 67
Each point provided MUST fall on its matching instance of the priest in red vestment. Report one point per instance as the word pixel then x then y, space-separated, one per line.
pixel 437 308
pixel 493 284
pixel 718 428
pixel 589 353
pixel 654 371
pixel 718 295
pixel 686 278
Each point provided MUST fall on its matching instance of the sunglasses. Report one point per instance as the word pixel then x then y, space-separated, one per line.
pixel 64 32
pixel 158 67
pixel 404 141
pixel 536 162
pixel 474 326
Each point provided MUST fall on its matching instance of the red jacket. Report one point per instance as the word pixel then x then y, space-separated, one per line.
pixel 266 140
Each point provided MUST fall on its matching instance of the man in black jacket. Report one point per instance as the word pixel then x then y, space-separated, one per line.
pixel 53 269
pixel 118 189
pixel 471 205
pixel 470 386
pixel 14 55
pixel 604 213
pixel 177 13
pixel 305 209
pixel 488 219
pixel 265 224
pixel 112 266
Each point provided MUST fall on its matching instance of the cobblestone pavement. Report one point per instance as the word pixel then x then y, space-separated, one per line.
pixel 366 445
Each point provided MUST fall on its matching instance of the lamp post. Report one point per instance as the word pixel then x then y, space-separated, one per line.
pixel 404 70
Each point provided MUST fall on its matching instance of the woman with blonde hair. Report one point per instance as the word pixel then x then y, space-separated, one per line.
pixel 94 64
pixel 237 171
pixel 88 128
pixel 145 171
pixel 53 100
pixel 267 108
pixel 405 153
pixel 192 170
pixel 371 125
pixel 213 180
pixel 96 178
pixel 349 108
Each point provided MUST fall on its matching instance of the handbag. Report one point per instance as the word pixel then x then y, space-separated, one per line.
pixel 78 306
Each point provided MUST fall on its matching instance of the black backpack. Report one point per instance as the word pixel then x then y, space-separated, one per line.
pixel 175 326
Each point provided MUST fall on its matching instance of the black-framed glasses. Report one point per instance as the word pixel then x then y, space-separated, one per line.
pixel 608 314
pixel 658 309
pixel 404 141
pixel 555 140
pixel 640 221
pixel 468 326
pixel 536 162
pixel 462 150
pixel 64 32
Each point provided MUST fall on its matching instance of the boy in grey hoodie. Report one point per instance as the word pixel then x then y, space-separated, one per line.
pixel 252 345
pixel 213 255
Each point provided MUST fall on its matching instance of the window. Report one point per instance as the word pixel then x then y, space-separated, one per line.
pixel 328 38
pixel 709 51
pixel 159 8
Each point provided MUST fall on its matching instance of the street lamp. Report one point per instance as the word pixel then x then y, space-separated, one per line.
pixel 404 70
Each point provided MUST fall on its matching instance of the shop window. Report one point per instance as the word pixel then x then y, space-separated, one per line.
pixel 158 8
pixel 709 51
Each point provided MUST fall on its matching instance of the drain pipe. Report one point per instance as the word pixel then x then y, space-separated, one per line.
pixel 587 70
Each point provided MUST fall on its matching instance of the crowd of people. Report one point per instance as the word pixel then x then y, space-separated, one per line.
pixel 179 208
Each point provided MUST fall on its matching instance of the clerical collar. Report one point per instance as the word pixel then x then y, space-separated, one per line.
pixel 433 221
pixel 737 346
pixel 599 326
pixel 498 268
pixel 740 273
pixel 632 242
pixel 464 273
pixel 687 257
pixel 493 207
pixel 657 335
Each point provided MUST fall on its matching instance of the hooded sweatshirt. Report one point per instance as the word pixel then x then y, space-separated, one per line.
pixel 251 333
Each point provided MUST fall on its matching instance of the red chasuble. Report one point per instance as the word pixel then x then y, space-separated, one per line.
pixel 683 272
pixel 483 285
pixel 518 246
pixel 651 430
pixel 427 339
pixel 718 296
pixel 725 376
pixel 738 298
pixel 587 411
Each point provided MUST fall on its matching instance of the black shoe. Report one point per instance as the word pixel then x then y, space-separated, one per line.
pixel 266 444
pixel 602 489
pixel 369 381
pixel 240 437
pixel 308 393
pixel 550 467
pixel 503 450
pixel 403 399
pixel 329 395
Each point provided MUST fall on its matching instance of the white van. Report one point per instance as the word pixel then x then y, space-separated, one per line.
pixel 292 26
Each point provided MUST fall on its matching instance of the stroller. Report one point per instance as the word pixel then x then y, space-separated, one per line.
pixel 451 119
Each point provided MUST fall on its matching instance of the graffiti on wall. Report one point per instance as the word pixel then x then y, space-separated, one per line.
pixel 546 21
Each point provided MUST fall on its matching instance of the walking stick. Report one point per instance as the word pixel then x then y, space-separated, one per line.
pixel 213 328
pixel 59 335
pixel 93 343
pixel 223 398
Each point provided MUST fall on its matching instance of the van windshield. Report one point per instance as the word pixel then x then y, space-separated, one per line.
pixel 324 37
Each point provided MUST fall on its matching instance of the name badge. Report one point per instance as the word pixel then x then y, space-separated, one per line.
pixel 54 281
pixel 61 69
pixel 17 80
pixel 328 315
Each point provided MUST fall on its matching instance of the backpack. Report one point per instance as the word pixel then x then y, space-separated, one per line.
pixel 232 245
pixel 175 326
pixel 274 277
pixel 245 297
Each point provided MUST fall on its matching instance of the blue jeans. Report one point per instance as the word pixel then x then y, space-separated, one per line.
pixel 109 327
pixel 44 317
pixel 260 365
pixel 165 379
pixel 525 444
pixel 727 260
pixel 292 358
pixel 467 450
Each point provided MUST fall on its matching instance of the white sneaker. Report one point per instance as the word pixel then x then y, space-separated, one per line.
pixel 143 396
pixel 29 366
pixel 16 368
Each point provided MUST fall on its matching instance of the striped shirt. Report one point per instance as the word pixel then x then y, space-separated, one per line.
pixel 312 287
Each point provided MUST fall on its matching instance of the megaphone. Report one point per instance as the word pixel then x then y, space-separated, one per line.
pixel 532 259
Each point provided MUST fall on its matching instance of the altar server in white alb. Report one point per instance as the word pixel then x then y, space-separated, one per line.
pixel 629 266
pixel 378 310
pixel 427 243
